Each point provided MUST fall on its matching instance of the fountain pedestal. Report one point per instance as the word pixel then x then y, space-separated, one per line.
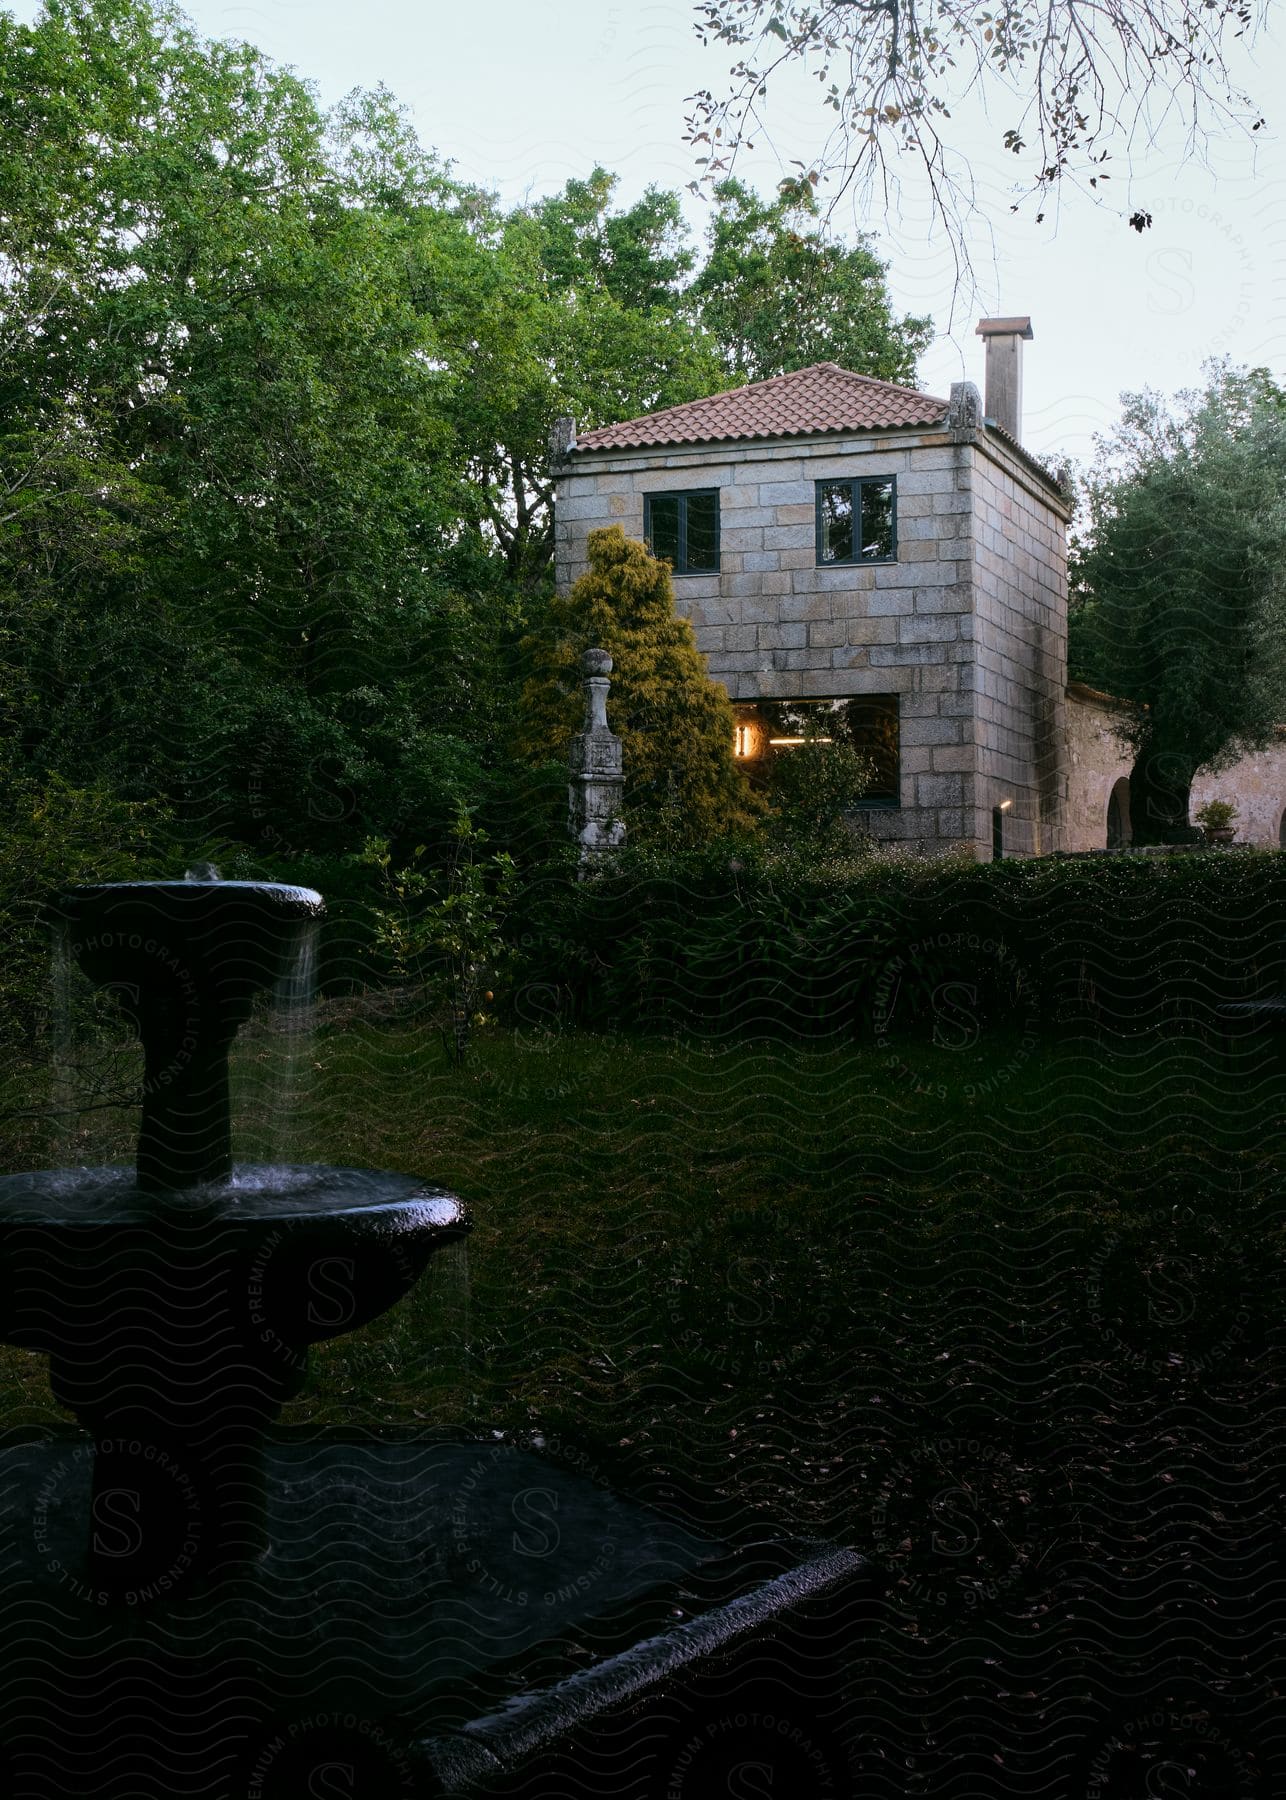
pixel 185 961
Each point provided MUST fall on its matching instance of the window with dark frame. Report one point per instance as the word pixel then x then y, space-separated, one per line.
pixel 683 529
pixel 857 520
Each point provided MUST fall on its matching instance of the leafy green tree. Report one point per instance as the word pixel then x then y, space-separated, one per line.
pixel 562 307
pixel 641 257
pixel 812 788
pixel 231 570
pixel 682 785
pixel 1179 590
pixel 445 929
pixel 777 295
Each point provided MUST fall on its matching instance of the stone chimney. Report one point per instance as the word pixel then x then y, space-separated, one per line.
pixel 562 438
pixel 1004 381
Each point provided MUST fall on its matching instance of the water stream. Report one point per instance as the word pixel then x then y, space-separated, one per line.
pixel 273 1061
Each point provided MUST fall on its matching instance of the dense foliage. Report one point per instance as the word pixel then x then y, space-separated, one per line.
pixel 275 396
pixel 1179 595
pixel 778 296
pixel 682 784
pixel 812 792
pixel 744 939
pixel 232 574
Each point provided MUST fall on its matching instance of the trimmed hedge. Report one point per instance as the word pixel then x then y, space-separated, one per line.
pixel 718 941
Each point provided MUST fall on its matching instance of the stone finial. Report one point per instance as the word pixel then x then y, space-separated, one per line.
pixel 1065 477
pixel 597 666
pixel 965 410
pixel 597 768
pixel 562 438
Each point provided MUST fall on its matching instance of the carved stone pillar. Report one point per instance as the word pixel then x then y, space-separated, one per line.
pixel 597 769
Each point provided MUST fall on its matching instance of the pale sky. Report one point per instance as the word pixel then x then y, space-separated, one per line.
pixel 522 95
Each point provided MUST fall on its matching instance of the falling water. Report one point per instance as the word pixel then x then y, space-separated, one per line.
pixel 62 1081
pixel 275 1059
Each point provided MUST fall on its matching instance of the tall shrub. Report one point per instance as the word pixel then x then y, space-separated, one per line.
pixel 682 784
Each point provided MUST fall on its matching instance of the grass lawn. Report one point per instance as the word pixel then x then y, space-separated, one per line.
pixel 1008 1317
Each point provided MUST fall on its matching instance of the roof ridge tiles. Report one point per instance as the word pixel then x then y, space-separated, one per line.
pixel 821 397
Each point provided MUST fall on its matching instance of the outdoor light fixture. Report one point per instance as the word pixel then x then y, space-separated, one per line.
pixel 745 741
pixel 998 830
pixel 791 742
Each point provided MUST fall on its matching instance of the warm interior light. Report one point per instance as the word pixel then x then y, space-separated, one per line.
pixel 801 740
pixel 745 741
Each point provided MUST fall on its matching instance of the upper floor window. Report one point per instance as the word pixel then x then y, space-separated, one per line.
pixel 857 520
pixel 683 528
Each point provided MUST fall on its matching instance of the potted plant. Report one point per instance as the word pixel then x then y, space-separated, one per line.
pixel 1216 820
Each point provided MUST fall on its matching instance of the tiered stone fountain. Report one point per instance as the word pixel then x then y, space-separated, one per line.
pixel 191 1605
pixel 176 1302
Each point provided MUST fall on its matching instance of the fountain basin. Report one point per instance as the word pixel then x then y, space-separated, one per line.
pixel 177 1324
pixel 79 1245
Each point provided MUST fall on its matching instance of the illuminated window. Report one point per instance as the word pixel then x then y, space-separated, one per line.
pixel 869 723
pixel 857 520
pixel 683 529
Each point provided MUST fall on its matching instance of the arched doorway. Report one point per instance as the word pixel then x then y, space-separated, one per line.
pixel 1118 815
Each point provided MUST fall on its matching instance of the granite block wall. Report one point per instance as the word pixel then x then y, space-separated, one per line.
pixel 774 625
pixel 1020 622
pixel 1096 758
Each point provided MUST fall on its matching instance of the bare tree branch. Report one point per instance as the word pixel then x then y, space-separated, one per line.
pixel 1083 82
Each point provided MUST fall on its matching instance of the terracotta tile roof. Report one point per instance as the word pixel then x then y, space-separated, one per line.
pixel 823 397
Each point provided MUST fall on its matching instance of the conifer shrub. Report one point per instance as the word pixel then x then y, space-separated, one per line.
pixel 682 784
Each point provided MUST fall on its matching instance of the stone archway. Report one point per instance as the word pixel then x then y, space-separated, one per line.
pixel 1119 832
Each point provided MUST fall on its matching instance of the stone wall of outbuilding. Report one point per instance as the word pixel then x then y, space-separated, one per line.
pixel 1096 759
pixel 1257 786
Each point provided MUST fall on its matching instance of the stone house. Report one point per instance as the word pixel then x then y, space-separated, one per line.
pixel 851 550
